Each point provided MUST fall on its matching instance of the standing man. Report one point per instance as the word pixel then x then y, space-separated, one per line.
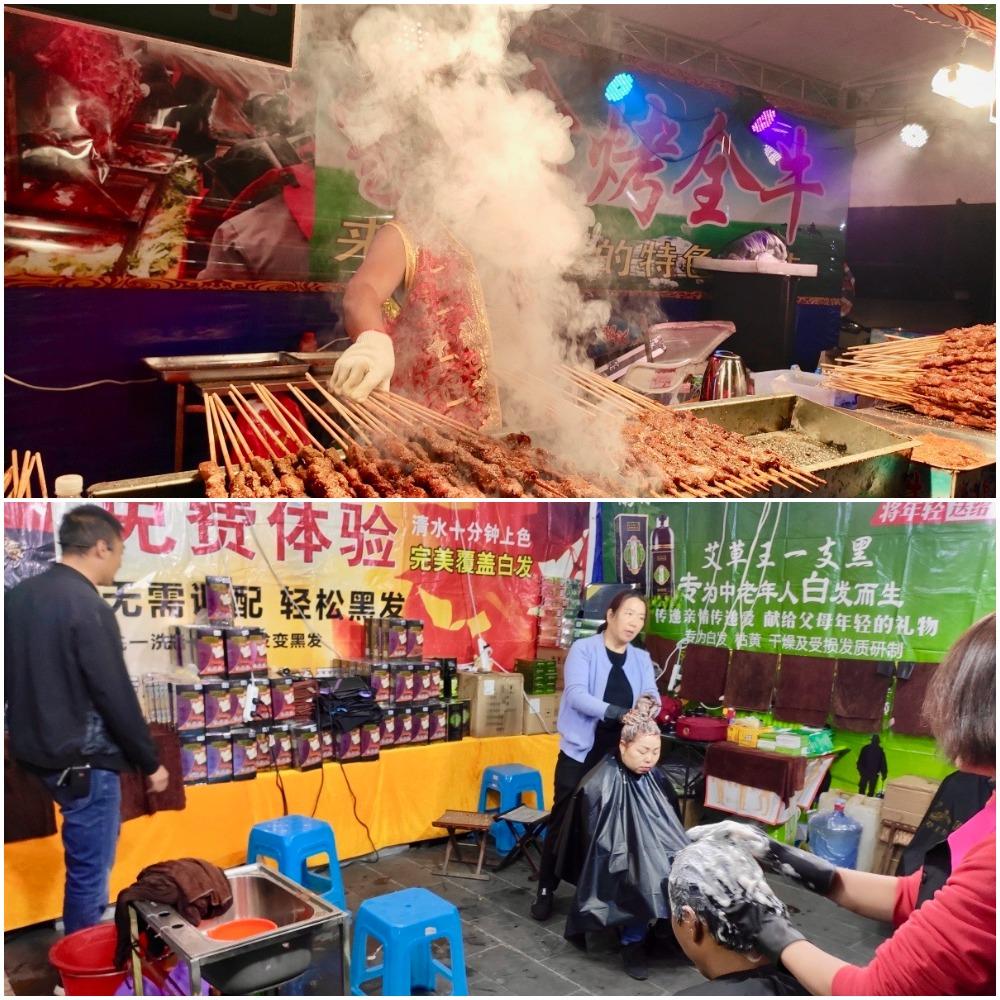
pixel 72 712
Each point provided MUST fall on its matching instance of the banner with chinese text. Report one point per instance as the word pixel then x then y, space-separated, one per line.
pixel 308 573
pixel 861 580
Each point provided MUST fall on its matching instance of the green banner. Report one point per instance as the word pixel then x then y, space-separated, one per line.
pixel 879 581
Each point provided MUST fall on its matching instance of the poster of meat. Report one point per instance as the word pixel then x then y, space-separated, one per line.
pixel 132 160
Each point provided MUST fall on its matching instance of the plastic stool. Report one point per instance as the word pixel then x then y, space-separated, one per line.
pixel 406 923
pixel 511 782
pixel 291 841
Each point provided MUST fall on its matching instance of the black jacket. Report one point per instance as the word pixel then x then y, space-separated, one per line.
pixel 69 696
pixel 767 981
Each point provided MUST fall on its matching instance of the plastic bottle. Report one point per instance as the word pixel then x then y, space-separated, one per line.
pixel 835 837
pixel 661 562
pixel 69 486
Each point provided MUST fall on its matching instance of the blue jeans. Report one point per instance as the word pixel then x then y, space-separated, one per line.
pixel 90 836
pixel 633 933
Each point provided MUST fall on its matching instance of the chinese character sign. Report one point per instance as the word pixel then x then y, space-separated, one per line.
pixel 879 581
pixel 309 573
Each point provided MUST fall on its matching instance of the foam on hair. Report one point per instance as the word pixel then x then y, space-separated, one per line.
pixel 711 877
pixel 639 721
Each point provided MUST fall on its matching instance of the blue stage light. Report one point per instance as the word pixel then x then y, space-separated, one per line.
pixel 619 87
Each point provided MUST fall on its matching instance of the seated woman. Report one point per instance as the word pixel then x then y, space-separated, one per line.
pixel 617 841
pixel 705 881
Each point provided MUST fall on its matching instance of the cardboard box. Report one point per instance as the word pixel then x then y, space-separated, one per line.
pixel 541 713
pixel 497 699
pixel 907 798
pixel 559 655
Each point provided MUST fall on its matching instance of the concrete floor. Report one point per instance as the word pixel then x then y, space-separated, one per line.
pixel 506 952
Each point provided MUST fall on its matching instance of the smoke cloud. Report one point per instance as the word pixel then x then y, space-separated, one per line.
pixel 426 105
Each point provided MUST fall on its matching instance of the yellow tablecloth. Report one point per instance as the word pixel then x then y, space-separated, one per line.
pixel 398 796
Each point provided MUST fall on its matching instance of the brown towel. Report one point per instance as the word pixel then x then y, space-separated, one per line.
pixel 136 799
pixel 859 696
pixel 750 681
pixel 28 809
pixel 908 703
pixel 703 674
pixel 804 687
pixel 773 772
pixel 660 649
pixel 196 889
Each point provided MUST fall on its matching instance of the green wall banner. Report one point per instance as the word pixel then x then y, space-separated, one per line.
pixel 879 581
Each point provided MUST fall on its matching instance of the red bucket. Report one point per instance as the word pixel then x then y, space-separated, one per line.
pixel 85 961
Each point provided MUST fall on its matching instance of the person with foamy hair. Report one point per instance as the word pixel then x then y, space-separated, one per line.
pixel 706 880
pixel 618 840
pixel 415 312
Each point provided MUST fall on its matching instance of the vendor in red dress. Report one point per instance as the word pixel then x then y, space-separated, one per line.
pixel 417 317
pixel 945 940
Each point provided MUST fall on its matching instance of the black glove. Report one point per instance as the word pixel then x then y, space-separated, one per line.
pixel 770 933
pixel 614 713
pixel 815 873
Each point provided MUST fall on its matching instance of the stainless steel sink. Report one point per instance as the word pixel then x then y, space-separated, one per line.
pixel 263 960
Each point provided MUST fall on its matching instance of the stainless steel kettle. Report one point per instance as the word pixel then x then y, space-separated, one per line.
pixel 725 377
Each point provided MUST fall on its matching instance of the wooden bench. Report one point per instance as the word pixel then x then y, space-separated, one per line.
pixel 476 823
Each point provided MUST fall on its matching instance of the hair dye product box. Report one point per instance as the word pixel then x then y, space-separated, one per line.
pixel 219 600
pixel 421 684
pixel 631 541
pixel 402 683
pixel 241 652
pixel 194 759
pixel 245 752
pixel 328 744
pixel 202 648
pixel 414 639
pixel 435 680
pixel 219 747
pixel 403 728
pixel 395 636
pixel 349 745
pixel 437 731
pixel 456 730
pixel 307 748
pixel 223 704
pixel 387 729
pixel 259 638
pixel 282 699
pixel 381 682
pixel 189 708
pixel 449 680
pixel 421 723
pixel 280 745
pixel 371 740
pixel 376 640
pixel 263 759
pixel 263 708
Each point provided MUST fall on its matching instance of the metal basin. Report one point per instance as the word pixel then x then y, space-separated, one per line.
pixel 261 961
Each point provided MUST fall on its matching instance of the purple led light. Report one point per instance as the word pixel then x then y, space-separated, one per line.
pixel 763 121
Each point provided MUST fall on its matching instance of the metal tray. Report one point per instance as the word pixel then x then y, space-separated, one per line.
pixel 875 460
pixel 187 484
pixel 186 363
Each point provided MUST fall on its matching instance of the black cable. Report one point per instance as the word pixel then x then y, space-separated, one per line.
pixel 354 807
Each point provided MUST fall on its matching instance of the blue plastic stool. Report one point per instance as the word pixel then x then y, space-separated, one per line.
pixel 291 841
pixel 510 782
pixel 406 923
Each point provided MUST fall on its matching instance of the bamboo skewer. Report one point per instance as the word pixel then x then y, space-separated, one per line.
pixel 8 478
pixel 335 403
pixel 15 466
pixel 221 441
pixel 24 487
pixel 278 416
pixel 239 441
pixel 255 422
pixel 322 418
pixel 41 474
pixel 213 456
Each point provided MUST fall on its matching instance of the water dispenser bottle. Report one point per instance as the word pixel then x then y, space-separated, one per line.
pixel 835 837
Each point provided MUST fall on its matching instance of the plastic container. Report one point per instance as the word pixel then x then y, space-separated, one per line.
pixel 868 812
pixel 835 837
pixel 69 486
pixel 239 930
pixel 85 961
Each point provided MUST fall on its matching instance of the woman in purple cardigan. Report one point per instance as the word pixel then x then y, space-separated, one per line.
pixel 605 677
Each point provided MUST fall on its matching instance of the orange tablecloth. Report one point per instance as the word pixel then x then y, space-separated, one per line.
pixel 398 796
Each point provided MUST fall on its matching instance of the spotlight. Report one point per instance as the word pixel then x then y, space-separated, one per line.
pixel 968 85
pixel 619 87
pixel 913 135
pixel 763 121
pixel 773 156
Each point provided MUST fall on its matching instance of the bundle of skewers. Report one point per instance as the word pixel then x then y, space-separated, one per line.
pixel 17 479
pixel 951 376
pixel 390 446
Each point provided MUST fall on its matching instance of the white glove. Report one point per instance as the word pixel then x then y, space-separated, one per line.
pixel 365 366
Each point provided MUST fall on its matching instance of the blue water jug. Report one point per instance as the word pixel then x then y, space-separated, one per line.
pixel 835 837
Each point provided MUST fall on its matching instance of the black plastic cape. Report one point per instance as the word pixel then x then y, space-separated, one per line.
pixel 616 845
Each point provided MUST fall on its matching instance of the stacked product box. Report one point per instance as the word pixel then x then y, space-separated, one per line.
pixel 215 651
pixel 394 638
pixel 540 675
pixel 559 608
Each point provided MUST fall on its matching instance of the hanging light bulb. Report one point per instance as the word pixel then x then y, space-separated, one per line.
pixel 970 86
pixel 913 135
pixel 773 156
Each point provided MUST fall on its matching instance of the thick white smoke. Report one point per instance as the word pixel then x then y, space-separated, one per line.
pixel 452 138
